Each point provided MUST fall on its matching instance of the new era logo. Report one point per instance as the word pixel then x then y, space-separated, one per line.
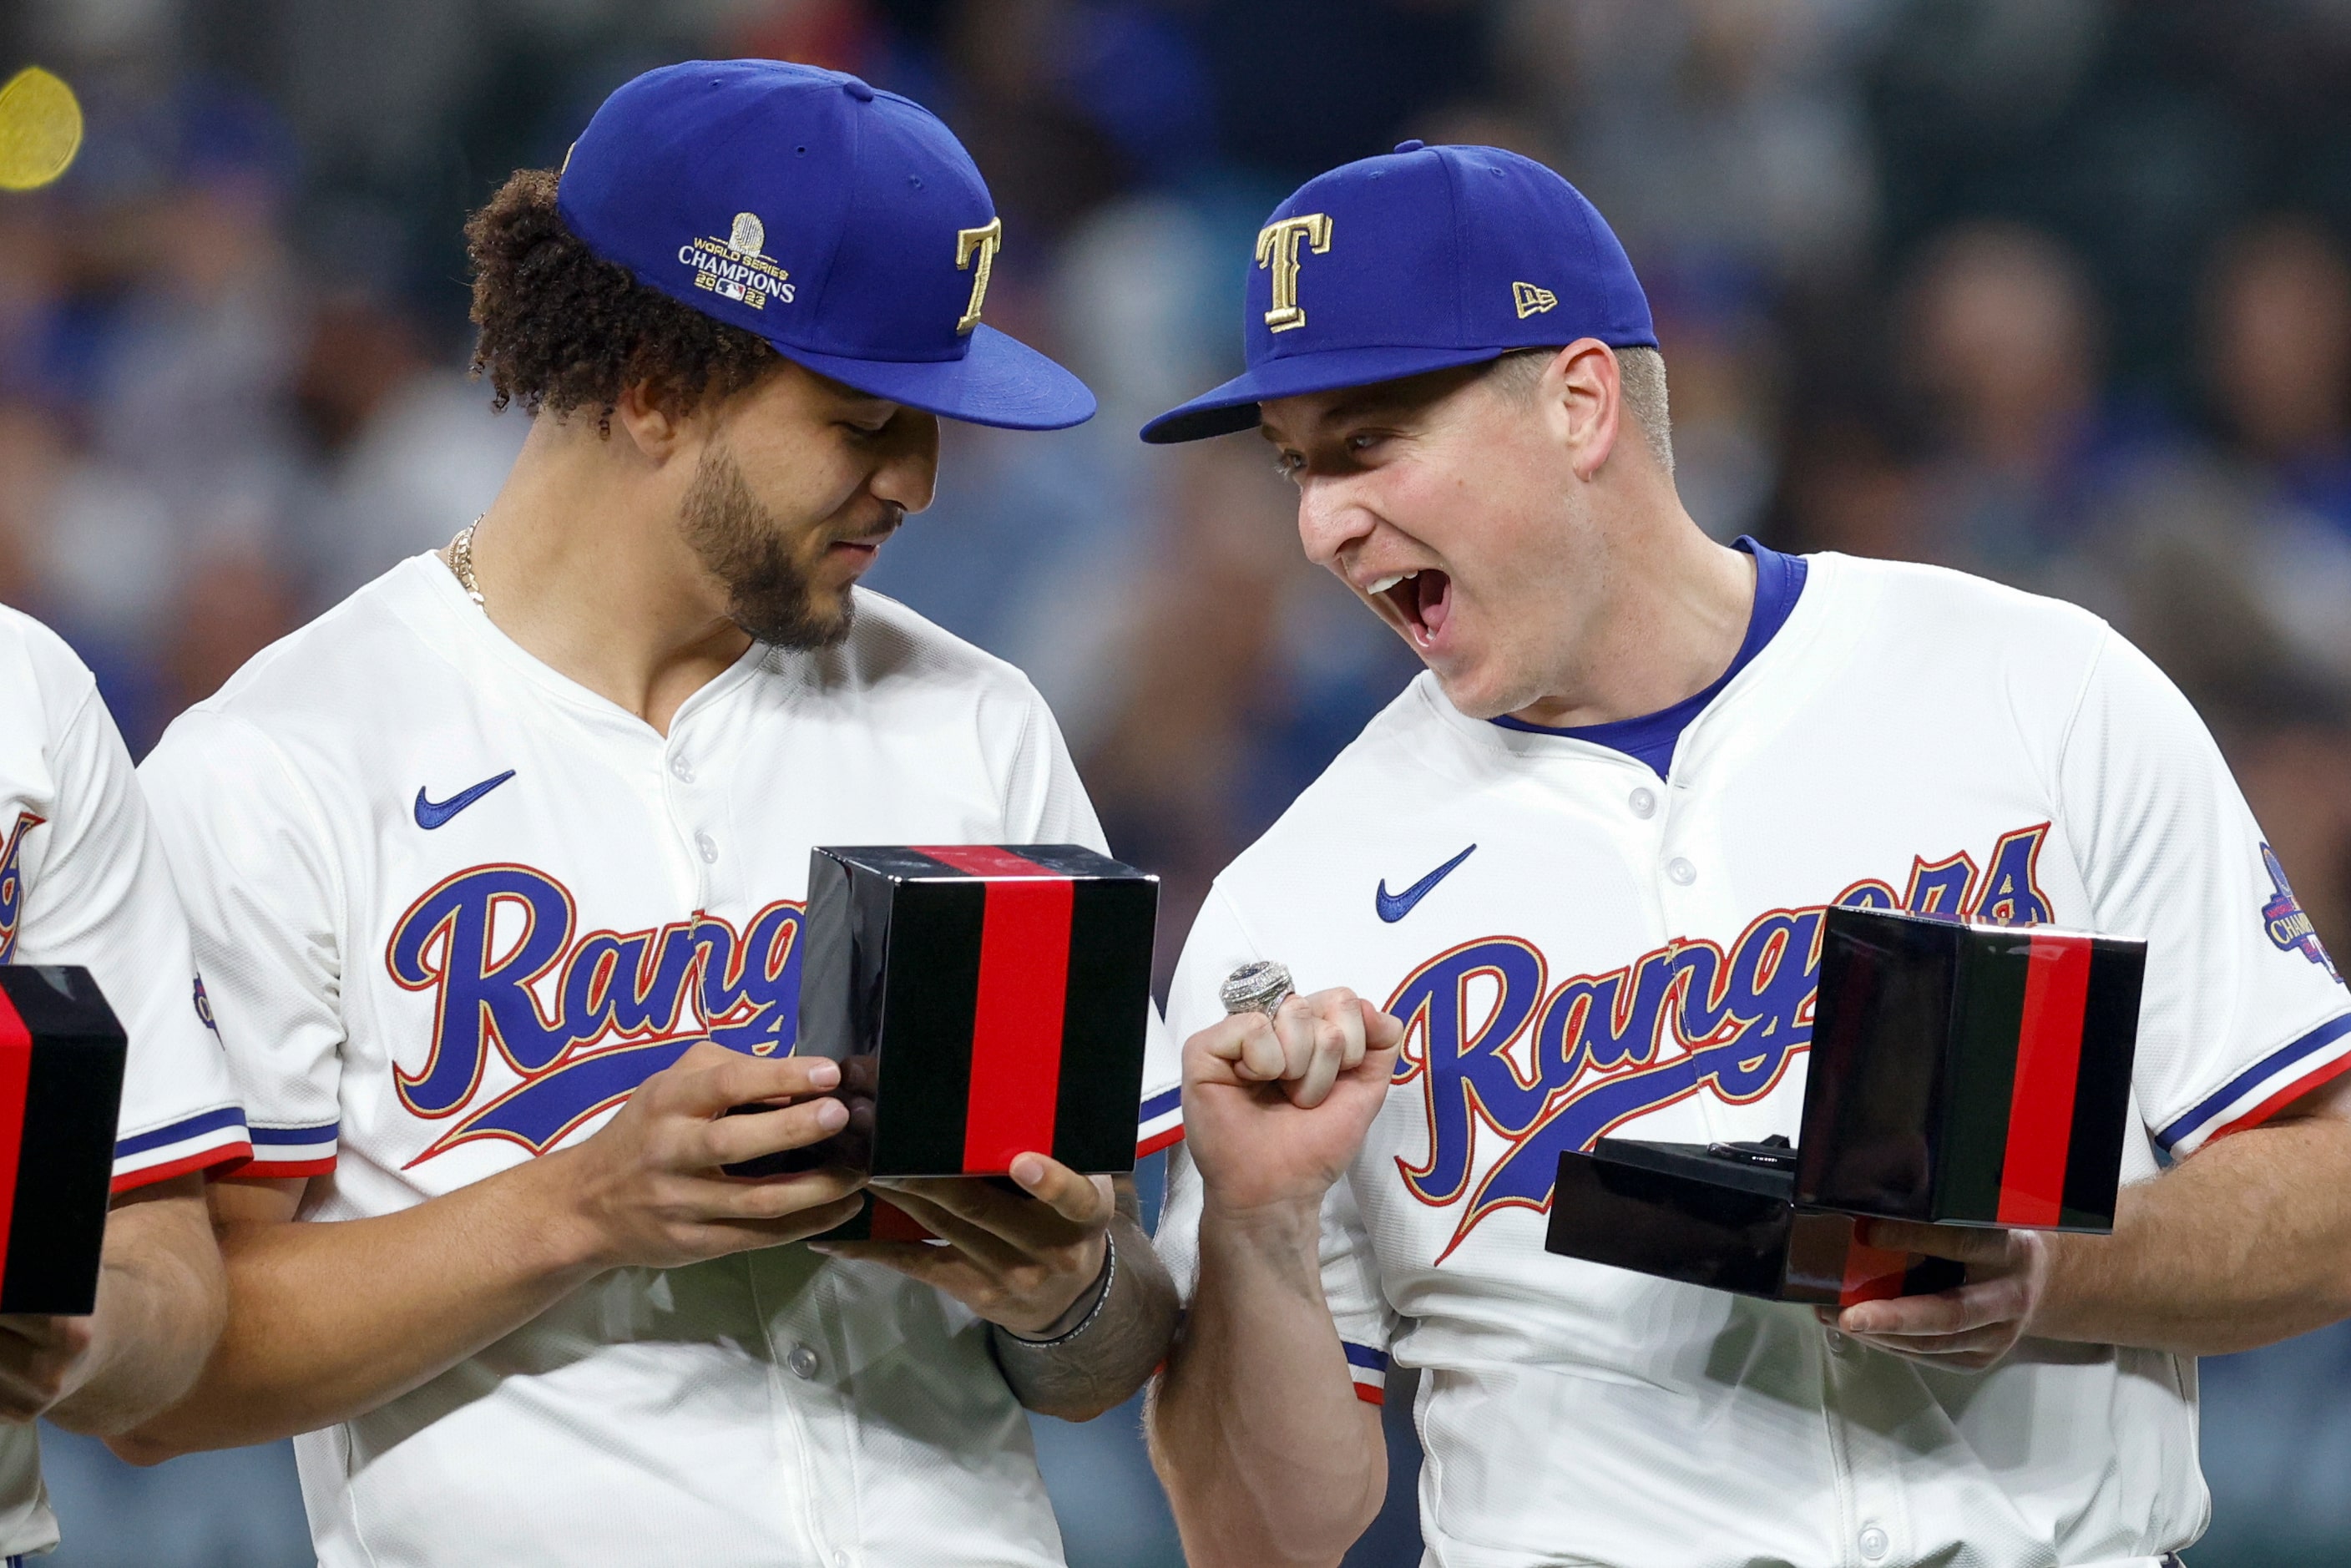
pixel 1531 300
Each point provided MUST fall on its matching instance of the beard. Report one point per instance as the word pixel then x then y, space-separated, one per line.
pixel 769 594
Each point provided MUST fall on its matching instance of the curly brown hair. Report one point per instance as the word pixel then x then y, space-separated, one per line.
pixel 562 330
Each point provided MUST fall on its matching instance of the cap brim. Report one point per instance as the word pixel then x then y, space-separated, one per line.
pixel 1001 381
pixel 1233 406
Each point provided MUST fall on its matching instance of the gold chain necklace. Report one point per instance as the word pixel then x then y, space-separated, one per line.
pixel 461 562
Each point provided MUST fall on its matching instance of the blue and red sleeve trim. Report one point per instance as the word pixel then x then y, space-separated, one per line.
pixel 1159 1123
pixel 282 1152
pixel 202 1142
pixel 1369 1368
pixel 2257 1094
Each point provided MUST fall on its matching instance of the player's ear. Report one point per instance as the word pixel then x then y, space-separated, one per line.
pixel 1582 397
pixel 646 417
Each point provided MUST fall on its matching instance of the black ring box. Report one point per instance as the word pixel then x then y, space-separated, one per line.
pixel 1725 1217
pixel 61 1060
pixel 1970 1074
pixel 1960 1074
pixel 983 1001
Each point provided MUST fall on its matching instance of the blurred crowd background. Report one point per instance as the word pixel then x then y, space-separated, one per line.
pixel 2053 290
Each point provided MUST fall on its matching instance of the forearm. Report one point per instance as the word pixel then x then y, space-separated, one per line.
pixel 162 1297
pixel 1127 1337
pixel 329 1320
pixel 1268 1456
pixel 2245 1243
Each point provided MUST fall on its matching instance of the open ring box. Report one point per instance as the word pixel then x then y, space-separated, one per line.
pixel 1960 1074
pixel 983 1001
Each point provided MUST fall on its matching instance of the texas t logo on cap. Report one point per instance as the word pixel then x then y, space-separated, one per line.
pixel 983 242
pixel 845 225
pixel 1276 248
pixel 1411 262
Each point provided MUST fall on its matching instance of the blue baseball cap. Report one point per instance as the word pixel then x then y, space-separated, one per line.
pixel 843 224
pixel 1419 260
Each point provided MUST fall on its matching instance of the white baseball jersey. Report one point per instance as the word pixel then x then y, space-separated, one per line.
pixel 83 881
pixel 453 908
pixel 1611 951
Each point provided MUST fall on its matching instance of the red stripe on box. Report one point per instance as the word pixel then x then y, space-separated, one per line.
pixel 1871 1273
pixel 985 859
pixel 2041 1098
pixel 1015 1029
pixel 16 1073
pixel 890 1223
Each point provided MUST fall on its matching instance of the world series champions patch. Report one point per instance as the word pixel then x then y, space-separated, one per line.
pixel 2286 922
pixel 738 267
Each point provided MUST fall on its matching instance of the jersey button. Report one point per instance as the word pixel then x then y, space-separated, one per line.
pixel 1681 870
pixel 803 1361
pixel 1872 1542
pixel 1644 803
pixel 684 772
pixel 709 848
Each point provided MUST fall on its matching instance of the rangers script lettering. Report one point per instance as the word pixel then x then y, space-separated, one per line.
pixel 12 883
pixel 626 1004
pixel 1546 1071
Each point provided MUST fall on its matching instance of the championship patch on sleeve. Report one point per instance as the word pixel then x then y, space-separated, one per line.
pixel 2289 927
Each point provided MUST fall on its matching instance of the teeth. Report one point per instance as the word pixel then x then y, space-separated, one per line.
pixel 1383 584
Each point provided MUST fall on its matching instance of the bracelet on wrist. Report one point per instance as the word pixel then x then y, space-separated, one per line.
pixel 1101 1298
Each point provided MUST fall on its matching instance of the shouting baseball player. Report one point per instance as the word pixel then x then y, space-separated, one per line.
pixel 83 881
pixel 1583 862
pixel 519 835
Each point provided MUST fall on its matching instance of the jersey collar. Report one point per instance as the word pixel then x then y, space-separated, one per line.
pixel 1813 612
pixel 456 621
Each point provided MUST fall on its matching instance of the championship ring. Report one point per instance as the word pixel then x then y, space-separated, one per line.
pixel 1259 988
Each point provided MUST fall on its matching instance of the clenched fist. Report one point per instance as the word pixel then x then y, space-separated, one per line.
pixel 1274 1108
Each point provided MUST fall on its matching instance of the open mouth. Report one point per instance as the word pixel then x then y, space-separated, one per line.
pixel 1422 600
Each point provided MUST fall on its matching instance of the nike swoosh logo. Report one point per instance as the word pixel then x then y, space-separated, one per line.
pixel 1395 906
pixel 430 814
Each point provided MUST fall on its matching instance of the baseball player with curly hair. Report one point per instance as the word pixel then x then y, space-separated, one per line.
pixel 1582 860
pixel 496 871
